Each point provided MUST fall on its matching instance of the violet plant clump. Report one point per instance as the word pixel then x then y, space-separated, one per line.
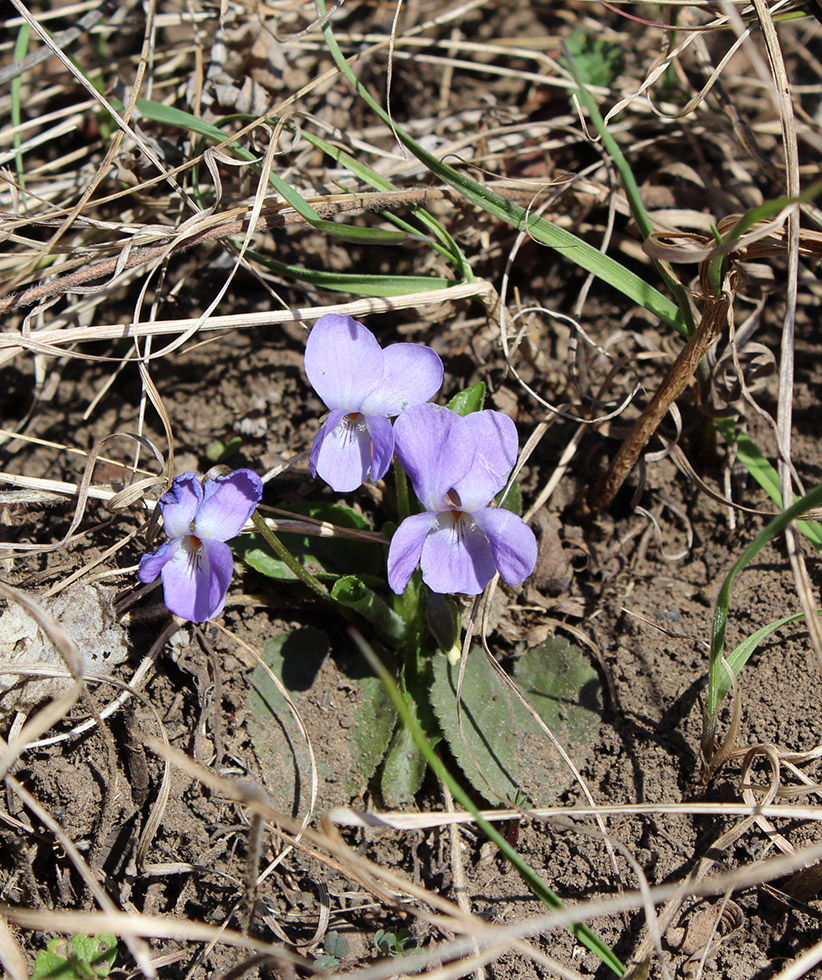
pixel 457 465
pixel 196 565
pixel 363 386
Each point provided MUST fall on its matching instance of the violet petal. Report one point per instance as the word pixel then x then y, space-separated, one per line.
pixel 332 420
pixel 179 504
pixel 406 548
pixel 512 542
pixel 342 455
pixel 151 565
pixel 382 444
pixel 196 580
pixel 457 557
pixel 495 437
pixel 412 374
pixel 435 448
pixel 228 502
pixel 343 361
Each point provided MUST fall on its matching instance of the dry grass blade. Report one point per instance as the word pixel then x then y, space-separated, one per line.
pixel 11 955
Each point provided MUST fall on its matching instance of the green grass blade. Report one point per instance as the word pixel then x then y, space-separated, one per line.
pixel 169 116
pixel 347 282
pixel 742 653
pixel 764 473
pixel 764 212
pixel 21 47
pixel 545 894
pixel 448 247
pixel 629 184
pixel 541 230
pixel 716 669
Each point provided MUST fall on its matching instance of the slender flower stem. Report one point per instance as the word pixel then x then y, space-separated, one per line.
pixel 582 932
pixel 403 503
pixel 290 561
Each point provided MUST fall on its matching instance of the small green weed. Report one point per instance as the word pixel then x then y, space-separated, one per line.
pixel 394 943
pixel 78 958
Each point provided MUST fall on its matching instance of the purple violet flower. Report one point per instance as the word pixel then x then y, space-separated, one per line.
pixel 457 465
pixel 363 386
pixel 197 564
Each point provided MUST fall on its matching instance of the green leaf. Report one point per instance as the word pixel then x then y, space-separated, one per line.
pixel 684 322
pixel 504 751
pixel 20 49
pixel 598 60
pixel 468 400
pixel 326 962
pixel 403 770
pixel 219 451
pixel 79 958
pixel 340 554
pixel 335 944
pixel 253 550
pixel 346 711
pixel 534 882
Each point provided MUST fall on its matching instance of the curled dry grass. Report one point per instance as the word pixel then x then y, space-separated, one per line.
pixel 103 230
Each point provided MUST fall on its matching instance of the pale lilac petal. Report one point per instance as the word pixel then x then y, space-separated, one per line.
pixel 412 374
pixel 332 420
pixel 151 565
pixel 228 502
pixel 382 444
pixel 343 361
pixel 196 580
pixel 512 543
pixel 341 453
pixel 435 448
pixel 495 437
pixel 457 557
pixel 179 504
pixel 406 548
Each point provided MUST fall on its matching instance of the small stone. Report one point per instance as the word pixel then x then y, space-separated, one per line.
pixel 86 612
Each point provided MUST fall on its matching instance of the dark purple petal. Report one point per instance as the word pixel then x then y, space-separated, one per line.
pixel 512 543
pixel 151 565
pixel 457 557
pixel 382 444
pixel 406 548
pixel 412 374
pixel 435 448
pixel 341 453
pixel 196 580
pixel 495 437
pixel 343 361
pixel 228 502
pixel 179 504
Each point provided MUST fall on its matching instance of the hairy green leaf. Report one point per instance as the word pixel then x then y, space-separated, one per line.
pixel 501 748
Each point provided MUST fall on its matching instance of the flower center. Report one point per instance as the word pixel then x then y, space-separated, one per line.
pixel 354 421
pixel 196 543
pixel 453 503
